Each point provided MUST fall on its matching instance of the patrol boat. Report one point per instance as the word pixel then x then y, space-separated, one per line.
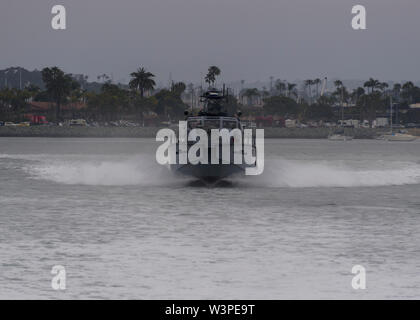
pixel 214 115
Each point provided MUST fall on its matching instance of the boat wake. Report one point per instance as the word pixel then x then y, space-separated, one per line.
pixel 98 170
pixel 307 174
pixel 95 170
pixel 105 173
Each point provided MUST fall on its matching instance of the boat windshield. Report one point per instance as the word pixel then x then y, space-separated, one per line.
pixel 212 124
pixel 230 124
pixel 216 123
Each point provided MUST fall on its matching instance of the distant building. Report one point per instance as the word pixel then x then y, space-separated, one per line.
pixel 42 108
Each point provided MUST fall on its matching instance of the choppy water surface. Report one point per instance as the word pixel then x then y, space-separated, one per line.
pixel 123 227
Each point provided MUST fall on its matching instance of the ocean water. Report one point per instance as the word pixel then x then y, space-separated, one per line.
pixel 124 227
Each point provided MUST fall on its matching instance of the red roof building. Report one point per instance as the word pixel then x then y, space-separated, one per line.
pixel 41 106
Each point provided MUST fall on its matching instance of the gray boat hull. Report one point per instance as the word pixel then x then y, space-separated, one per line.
pixel 209 172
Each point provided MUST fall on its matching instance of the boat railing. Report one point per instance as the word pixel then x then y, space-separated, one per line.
pixel 213 122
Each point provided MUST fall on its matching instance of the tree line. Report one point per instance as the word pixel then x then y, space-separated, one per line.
pixel 111 102
pixel 140 99
pixel 363 103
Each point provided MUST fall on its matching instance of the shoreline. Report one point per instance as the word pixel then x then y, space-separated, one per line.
pixel 150 132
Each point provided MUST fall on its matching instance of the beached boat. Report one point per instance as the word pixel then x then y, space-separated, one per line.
pixel 339 135
pixel 398 136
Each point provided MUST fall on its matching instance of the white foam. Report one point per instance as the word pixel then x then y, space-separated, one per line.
pixel 303 174
pixel 143 170
pixel 133 171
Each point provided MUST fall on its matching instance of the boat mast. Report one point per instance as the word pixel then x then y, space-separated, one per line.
pixel 342 106
pixel 390 100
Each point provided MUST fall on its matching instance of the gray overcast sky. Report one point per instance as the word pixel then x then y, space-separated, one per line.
pixel 248 39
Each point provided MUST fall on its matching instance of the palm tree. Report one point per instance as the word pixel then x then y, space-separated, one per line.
pixel 250 93
pixel 372 84
pixel 58 85
pixel 368 84
pixel 382 86
pixel 397 89
pixel 104 77
pixel 33 89
pixel 338 83
pixel 265 93
pixel 341 91
pixel 280 86
pixel 142 81
pixel 212 73
pixel 290 89
pixel 357 93
pixel 408 91
pixel 178 88
pixel 317 81
pixel 408 85
pixel 308 84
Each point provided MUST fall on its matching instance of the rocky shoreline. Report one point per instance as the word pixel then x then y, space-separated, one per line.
pixel 150 132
